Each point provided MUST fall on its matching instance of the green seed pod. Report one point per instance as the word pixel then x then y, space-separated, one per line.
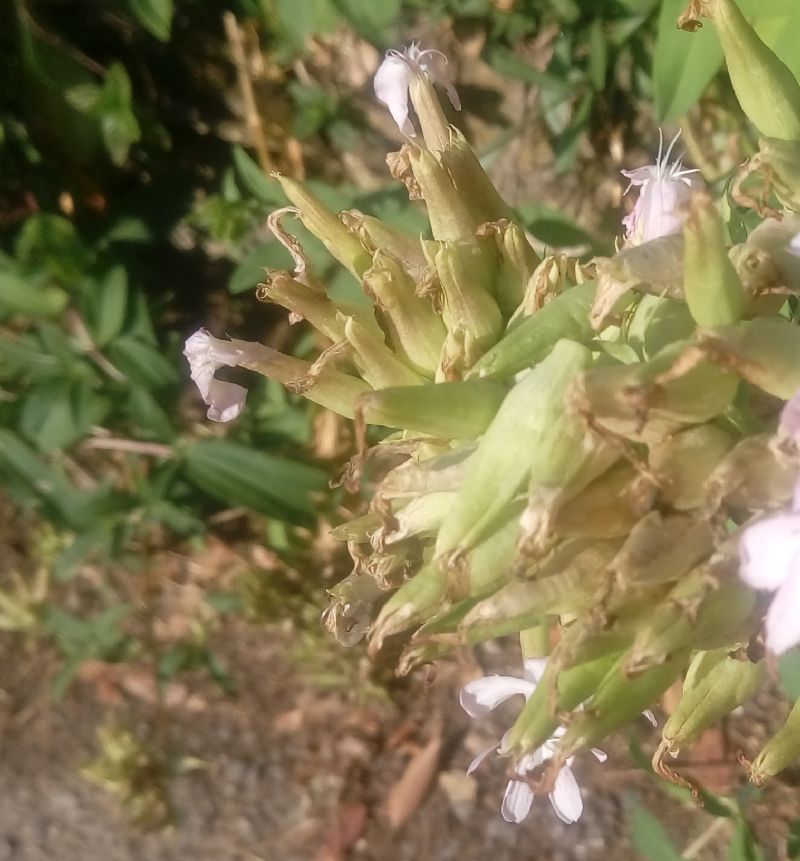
pixel 765 352
pixel 459 410
pixel 376 362
pixel 682 464
pixel 618 701
pixel 517 262
pixel 450 217
pixel 657 323
pixel 415 330
pixel 465 270
pixel 711 286
pixel 310 304
pixel 654 267
pixel 377 235
pixel 780 160
pixel 773 238
pixel 531 340
pixel 764 85
pixel 414 602
pixel 557 691
pixel 419 517
pixel 319 220
pixel 518 605
pixel 659 549
pixel 780 751
pixel 647 401
pixel 610 506
pixel 435 129
pixel 701 612
pixel 531 439
pixel 729 684
pixel 331 389
pixel 701 665
pixel 471 180
pixel 752 476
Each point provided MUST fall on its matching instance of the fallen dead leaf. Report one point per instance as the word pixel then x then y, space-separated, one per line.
pixel 343 832
pixel 407 793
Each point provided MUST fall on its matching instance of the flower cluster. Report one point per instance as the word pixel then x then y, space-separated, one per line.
pixel 566 436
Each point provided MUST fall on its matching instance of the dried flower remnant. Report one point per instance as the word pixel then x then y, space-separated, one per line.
pixel 664 190
pixel 394 76
pixel 769 552
pixel 483 695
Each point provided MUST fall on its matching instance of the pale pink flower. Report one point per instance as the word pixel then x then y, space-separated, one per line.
pixel 664 191
pixel 481 696
pixel 393 78
pixel 206 355
pixel 769 552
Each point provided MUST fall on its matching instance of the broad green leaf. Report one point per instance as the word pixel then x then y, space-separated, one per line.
pixel 20 296
pixel 143 363
pixel 683 63
pixel 154 15
pixel 299 21
pixel 109 305
pixel 650 838
pixel 51 242
pixel 261 186
pixel 238 475
pixel 57 414
pixel 251 271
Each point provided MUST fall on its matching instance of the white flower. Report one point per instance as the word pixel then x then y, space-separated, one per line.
pixel 769 552
pixel 482 695
pixel 664 190
pixel 393 78
pixel 206 354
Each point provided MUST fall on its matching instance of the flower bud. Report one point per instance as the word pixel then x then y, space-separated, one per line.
pixel 765 87
pixel 727 685
pixel 780 751
pixel 415 330
pixel 458 410
pixel 529 342
pixel 711 286
pixel 319 220
pixel 531 439
pixel 304 303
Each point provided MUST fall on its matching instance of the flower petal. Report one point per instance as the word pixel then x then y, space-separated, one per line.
pixel 534 669
pixel 650 717
pixel 480 758
pixel 480 696
pixel 566 796
pixel 391 87
pixel 517 801
pixel 783 617
pixel 599 755
pixel 767 550
pixel 206 355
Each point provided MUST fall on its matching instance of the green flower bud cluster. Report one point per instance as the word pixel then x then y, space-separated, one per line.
pixel 571 447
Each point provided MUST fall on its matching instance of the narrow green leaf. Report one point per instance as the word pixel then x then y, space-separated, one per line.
pixel 154 15
pixel 650 838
